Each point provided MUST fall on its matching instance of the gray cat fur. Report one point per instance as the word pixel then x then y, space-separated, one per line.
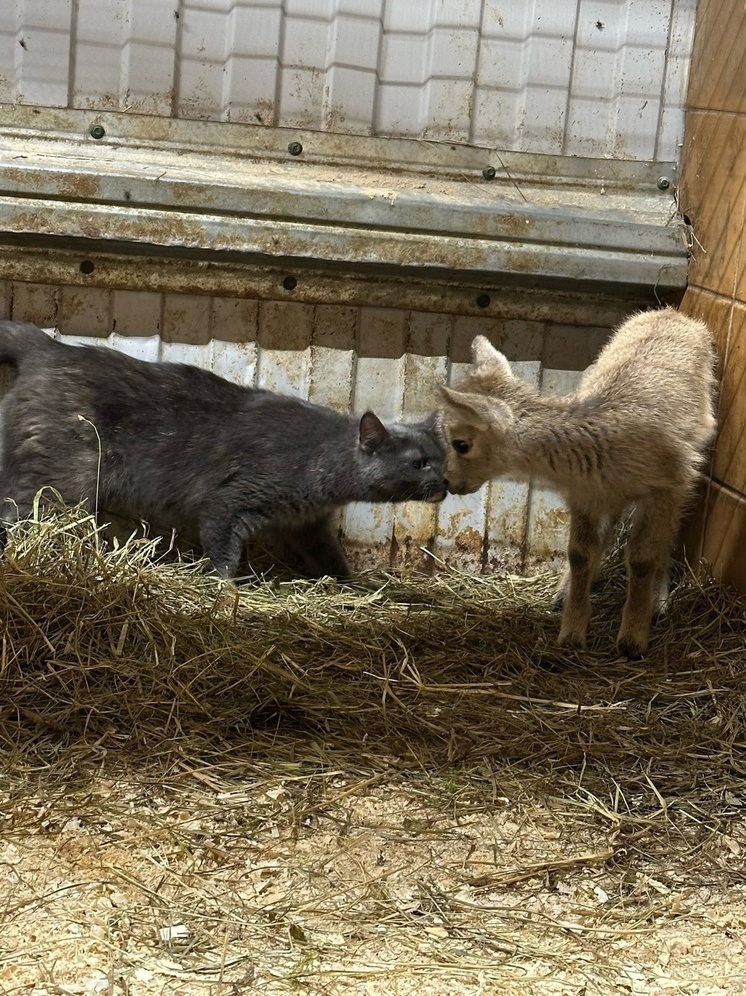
pixel 155 440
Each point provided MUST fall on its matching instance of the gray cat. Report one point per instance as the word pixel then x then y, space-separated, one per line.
pixel 170 440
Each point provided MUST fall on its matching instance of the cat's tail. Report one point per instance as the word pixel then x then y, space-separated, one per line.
pixel 20 342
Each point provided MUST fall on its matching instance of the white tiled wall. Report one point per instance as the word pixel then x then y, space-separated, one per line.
pixel 352 359
pixel 616 87
pixel 121 54
pixel 576 77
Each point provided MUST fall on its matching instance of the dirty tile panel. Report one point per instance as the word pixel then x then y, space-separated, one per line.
pixel 593 77
pixel 351 359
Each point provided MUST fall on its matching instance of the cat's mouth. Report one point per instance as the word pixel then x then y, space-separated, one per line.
pixel 435 496
pixel 464 489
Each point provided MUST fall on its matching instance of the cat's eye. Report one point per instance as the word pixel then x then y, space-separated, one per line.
pixel 420 464
pixel 460 446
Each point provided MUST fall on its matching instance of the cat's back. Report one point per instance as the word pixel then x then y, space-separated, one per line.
pixel 109 385
pixel 173 407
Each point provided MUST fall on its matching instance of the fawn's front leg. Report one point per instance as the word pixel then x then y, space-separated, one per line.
pixel 584 555
pixel 608 525
pixel 661 597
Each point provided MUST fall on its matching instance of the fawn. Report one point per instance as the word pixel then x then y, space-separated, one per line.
pixel 634 433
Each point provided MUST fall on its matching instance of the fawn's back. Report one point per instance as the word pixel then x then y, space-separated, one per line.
pixel 656 375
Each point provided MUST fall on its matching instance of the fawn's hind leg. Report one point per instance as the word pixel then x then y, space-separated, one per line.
pixel 661 596
pixel 648 551
pixel 584 555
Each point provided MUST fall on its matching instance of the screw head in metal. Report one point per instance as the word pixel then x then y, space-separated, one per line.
pixel 489 172
pixel 295 148
pixel 97 131
pixel 663 183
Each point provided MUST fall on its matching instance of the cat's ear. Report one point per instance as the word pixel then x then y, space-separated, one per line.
pixel 484 355
pixel 476 410
pixel 430 421
pixel 373 433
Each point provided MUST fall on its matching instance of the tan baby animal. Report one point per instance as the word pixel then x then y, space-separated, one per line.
pixel 633 434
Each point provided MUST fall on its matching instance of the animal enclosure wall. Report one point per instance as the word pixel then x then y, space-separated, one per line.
pixel 332 197
pixel 603 78
pixel 350 359
pixel 713 196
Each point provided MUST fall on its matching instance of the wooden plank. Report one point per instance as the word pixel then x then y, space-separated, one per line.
pixel 716 77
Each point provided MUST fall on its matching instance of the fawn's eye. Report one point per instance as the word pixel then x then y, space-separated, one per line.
pixel 460 446
pixel 420 464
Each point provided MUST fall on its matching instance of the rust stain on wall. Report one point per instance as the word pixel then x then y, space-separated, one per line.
pixel 468 546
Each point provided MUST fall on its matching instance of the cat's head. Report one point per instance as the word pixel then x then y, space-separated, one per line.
pixel 476 420
pixel 402 461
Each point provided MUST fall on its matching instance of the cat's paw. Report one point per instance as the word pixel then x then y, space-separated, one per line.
pixel 227 597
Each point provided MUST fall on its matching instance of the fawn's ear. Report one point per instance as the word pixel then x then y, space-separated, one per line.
pixel 476 410
pixel 373 433
pixel 484 354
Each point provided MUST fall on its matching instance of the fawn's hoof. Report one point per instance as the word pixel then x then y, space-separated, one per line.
pixel 572 640
pixel 631 648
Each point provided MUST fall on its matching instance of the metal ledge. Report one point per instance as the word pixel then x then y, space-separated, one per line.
pixel 228 203
pixel 314 286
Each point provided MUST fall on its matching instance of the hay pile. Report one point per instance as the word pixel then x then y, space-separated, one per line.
pixel 400 787
pixel 106 652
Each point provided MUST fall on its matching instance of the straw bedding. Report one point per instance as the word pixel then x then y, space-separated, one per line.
pixel 443 697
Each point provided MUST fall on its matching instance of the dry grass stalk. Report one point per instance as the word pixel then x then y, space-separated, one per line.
pixel 106 651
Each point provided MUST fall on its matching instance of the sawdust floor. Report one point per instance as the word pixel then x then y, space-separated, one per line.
pixel 322 882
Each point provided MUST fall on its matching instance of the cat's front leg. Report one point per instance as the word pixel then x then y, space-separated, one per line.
pixel 223 536
pixel 317 543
